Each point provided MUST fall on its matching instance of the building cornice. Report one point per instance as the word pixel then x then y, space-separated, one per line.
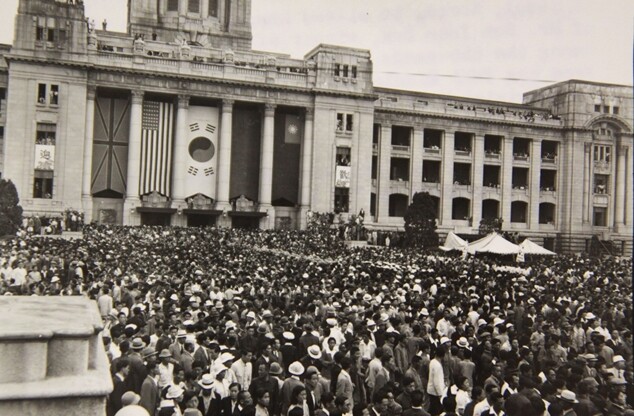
pixel 467 119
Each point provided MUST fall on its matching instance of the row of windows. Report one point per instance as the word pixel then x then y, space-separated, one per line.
pixel 606 109
pixel 345 71
pixel 461 209
pixel 193 6
pixel 432 173
pixel 463 142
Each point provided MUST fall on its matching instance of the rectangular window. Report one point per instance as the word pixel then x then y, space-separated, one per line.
pixel 615 110
pixel 213 8
pixel 345 71
pixel 61 36
pixel 349 122
pixel 172 5
pixel 354 71
pixel 193 6
pixel 337 70
pixel 343 156
pixel 45 134
pixel 342 198
pixel 600 217
pixel 39 33
pixel 602 153
pixel 41 93
pixel 50 36
pixel 606 109
pixel 601 184
pixel 597 108
pixel 340 122
pixel 54 94
pixel 43 184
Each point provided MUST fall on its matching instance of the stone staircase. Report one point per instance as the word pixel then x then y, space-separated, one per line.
pixel 52 360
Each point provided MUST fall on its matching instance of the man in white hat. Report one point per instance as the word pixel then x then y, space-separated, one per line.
pixel 165 369
pixel 296 369
pixel 206 384
pixel 130 402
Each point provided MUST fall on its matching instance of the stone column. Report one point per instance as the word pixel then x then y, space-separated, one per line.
pixel 86 182
pixel 224 154
pixel 307 166
pixel 535 174
pixel 619 188
pixel 180 150
pixel 179 176
pixel 383 189
pixel 134 160
pixel 478 173
pixel 266 161
pixel 587 185
pixel 416 168
pixel 507 182
pixel 628 189
pixel 446 200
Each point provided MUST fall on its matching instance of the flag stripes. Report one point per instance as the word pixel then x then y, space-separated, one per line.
pixel 156 148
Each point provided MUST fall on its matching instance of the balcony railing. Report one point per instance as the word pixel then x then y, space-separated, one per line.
pixel 549 159
pixel 492 155
pixel 433 150
pixel 463 152
pixel 400 148
pixel 520 156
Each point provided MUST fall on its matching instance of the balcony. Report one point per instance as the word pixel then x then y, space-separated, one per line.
pixel 521 157
pixel 463 152
pixel 400 148
pixel 434 150
pixel 494 155
pixel 551 160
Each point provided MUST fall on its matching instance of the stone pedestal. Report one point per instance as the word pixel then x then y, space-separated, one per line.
pixel 52 357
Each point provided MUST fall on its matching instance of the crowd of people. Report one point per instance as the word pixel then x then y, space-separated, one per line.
pixel 227 322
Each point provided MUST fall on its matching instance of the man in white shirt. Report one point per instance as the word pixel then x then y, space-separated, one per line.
pixel 436 382
pixel 243 369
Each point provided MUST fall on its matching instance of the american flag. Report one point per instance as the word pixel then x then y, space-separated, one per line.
pixel 156 148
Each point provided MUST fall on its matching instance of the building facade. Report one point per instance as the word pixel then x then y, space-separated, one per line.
pixel 179 121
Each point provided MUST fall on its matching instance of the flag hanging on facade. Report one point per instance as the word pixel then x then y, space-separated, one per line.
pixel 202 151
pixel 293 129
pixel 156 148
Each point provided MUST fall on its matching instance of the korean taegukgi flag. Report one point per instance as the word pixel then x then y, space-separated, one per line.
pixel 202 151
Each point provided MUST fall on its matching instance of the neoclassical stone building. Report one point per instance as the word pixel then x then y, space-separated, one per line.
pixel 179 121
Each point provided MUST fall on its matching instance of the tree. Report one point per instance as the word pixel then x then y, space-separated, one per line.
pixel 420 221
pixel 10 209
pixel 490 225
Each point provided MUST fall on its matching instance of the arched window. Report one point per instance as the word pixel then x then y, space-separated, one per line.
pixel 519 211
pixel 460 209
pixel 546 213
pixel 490 209
pixel 398 205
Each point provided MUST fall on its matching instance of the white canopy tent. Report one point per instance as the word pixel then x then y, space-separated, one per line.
pixel 453 242
pixel 528 247
pixel 493 243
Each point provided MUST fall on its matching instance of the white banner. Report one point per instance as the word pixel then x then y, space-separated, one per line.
pixel 342 176
pixel 202 151
pixel 44 157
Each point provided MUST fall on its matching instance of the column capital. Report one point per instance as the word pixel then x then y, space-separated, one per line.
pixel 269 109
pixel 137 96
pixel 309 113
pixel 91 92
pixel 227 105
pixel 183 101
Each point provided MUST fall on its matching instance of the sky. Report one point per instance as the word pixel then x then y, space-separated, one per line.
pixel 489 49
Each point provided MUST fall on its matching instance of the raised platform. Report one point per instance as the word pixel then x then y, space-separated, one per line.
pixel 52 357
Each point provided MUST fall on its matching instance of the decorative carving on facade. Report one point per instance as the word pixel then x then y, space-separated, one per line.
pixel 200 202
pixel 155 200
pixel 139 46
pixel 242 203
pixel 228 56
